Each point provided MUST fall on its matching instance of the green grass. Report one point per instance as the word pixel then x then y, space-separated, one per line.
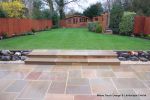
pixel 75 39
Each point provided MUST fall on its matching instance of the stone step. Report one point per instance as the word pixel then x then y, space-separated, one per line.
pixel 72 54
pixel 70 61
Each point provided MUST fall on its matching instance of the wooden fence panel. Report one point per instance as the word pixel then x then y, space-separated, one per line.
pixel 13 26
pixel 147 25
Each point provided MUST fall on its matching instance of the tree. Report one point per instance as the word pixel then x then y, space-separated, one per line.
pixel 127 4
pixel 29 7
pixel 14 9
pixel 46 14
pixel 61 5
pixel 51 6
pixel 37 6
pixel 116 14
pixel 142 7
pixel 93 10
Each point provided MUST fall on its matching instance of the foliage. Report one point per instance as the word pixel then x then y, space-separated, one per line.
pixel 115 18
pixel 15 9
pixel 37 6
pixel 93 10
pixel 142 7
pixel 95 27
pixel 2 14
pixel 46 14
pixel 127 23
pixel 4 35
pixel 39 12
pixel 55 19
pixel 98 28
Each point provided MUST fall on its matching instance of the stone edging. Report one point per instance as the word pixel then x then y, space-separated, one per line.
pixel 11 62
pixel 135 62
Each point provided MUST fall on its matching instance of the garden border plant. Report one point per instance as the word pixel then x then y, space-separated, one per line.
pixel 126 25
pixel 95 27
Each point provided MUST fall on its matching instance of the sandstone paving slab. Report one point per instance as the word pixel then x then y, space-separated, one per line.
pixel 147 83
pixel 60 68
pixel 59 97
pixel 127 94
pixel 3 74
pixel 145 93
pixel 8 96
pixel 144 75
pixel 122 68
pixel 140 68
pixel 35 90
pixel 17 86
pixel 101 85
pixel 89 73
pixel 57 87
pixel 109 94
pixel 79 89
pixel 45 76
pixel 125 74
pixel 16 75
pixel 128 83
pixel 78 82
pixel 43 68
pixel 33 76
pixel 87 97
pixel 103 74
pixel 24 99
pixel 74 74
pixel 4 84
pixel 53 76
pixel 89 67
pixel 105 68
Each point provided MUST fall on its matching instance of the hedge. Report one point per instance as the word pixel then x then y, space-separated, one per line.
pixel 116 14
pixel 95 27
pixel 127 23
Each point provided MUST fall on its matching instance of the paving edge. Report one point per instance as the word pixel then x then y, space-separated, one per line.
pixel 12 62
pixel 135 63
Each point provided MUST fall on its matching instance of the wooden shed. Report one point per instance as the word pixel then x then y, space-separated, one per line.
pixel 74 21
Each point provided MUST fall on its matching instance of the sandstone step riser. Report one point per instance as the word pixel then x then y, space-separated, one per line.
pixel 72 63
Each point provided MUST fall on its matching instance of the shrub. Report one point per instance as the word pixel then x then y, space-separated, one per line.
pixel 14 9
pixel 33 30
pixel 127 23
pixel 91 26
pixel 98 28
pixel 4 35
pixel 95 27
pixel 115 18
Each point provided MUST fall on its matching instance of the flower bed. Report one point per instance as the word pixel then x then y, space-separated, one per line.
pixel 13 55
pixel 143 56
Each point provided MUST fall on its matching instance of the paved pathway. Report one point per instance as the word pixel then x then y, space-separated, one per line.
pixel 38 82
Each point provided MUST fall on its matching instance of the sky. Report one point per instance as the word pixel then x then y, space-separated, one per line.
pixel 81 5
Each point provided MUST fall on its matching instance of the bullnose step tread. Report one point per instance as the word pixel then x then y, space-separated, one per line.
pixel 72 53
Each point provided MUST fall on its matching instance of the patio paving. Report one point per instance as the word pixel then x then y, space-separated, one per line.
pixel 74 82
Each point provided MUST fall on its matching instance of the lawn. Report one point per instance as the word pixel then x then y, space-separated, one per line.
pixel 79 38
